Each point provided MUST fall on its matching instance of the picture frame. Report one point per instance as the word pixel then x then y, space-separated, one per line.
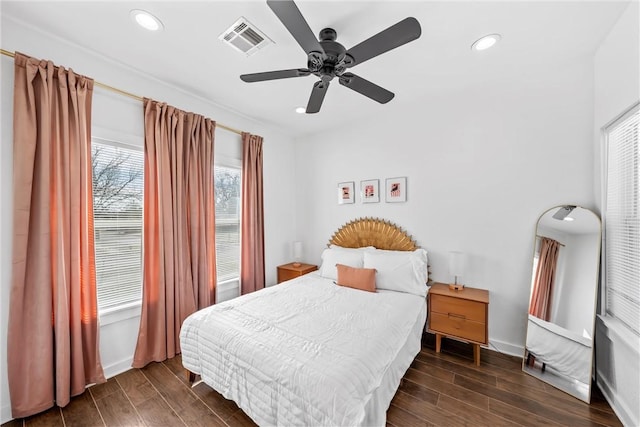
pixel 370 191
pixel 396 190
pixel 346 192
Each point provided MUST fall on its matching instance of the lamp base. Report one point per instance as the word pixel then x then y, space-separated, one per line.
pixel 456 286
pixel 296 264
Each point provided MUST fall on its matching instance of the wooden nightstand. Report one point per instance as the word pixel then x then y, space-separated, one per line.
pixel 459 314
pixel 290 271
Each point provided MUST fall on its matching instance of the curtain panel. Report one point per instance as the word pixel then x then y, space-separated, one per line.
pixel 52 339
pixel 540 306
pixel 252 269
pixel 179 274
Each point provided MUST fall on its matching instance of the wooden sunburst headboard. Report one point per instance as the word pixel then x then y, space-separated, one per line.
pixel 373 232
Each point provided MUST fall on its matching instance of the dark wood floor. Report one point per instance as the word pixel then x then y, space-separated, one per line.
pixel 444 389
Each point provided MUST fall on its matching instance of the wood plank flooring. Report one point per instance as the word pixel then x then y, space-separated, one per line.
pixel 444 389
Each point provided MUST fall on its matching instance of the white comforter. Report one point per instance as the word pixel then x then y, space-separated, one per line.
pixel 307 352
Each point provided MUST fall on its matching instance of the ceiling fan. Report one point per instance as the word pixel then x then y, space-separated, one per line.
pixel 326 58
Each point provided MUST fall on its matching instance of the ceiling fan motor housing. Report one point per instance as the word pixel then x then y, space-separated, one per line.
pixel 333 62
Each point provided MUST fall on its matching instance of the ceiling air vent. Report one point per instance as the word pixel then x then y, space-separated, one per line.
pixel 245 37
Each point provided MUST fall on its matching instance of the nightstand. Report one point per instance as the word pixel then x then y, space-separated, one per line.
pixel 460 314
pixel 290 271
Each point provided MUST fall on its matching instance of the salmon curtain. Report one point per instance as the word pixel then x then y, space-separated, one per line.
pixel 252 271
pixel 179 227
pixel 53 318
pixel 540 305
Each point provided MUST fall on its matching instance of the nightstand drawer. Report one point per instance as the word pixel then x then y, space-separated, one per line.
pixel 458 326
pixel 293 270
pixel 467 309
pixel 462 314
pixel 284 275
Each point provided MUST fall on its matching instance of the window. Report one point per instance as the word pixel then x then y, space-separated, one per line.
pixel 118 183
pixel 117 210
pixel 227 195
pixel 622 220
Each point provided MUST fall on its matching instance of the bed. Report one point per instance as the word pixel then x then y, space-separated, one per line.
pixel 567 352
pixel 311 352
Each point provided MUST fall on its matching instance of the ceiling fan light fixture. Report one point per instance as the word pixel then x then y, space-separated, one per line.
pixel 486 42
pixel 301 110
pixel 146 20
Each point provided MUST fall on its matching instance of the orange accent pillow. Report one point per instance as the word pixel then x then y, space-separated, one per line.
pixel 357 278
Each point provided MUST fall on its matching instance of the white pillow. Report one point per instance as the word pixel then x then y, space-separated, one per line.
pixel 400 271
pixel 338 255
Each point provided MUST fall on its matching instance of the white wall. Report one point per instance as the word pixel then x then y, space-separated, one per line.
pixel 481 166
pixel 118 115
pixel 616 88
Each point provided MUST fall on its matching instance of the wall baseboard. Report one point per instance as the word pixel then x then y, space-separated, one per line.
pixel 507 348
pixel 620 407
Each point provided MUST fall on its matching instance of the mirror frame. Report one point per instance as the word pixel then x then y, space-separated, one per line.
pixel 570 386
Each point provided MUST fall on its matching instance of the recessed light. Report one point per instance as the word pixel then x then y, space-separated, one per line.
pixel 146 20
pixel 301 110
pixel 486 42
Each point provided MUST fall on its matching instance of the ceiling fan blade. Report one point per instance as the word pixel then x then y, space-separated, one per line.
pixel 366 88
pixel 274 75
pixel 289 14
pixel 395 36
pixel 317 96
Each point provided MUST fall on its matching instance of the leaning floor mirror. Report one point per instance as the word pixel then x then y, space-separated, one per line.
pixel 562 304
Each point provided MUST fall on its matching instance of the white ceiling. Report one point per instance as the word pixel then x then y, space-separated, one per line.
pixel 537 36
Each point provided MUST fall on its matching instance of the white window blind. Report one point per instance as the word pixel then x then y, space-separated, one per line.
pixel 117 206
pixel 622 220
pixel 227 195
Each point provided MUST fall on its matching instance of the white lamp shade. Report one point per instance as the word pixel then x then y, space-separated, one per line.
pixel 457 263
pixel 297 250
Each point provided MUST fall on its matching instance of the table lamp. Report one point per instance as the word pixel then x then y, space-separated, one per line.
pixel 457 266
pixel 297 253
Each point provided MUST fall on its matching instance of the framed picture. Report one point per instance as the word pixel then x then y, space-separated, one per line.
pixel 396 190
pixel 346 192
pixel 370 191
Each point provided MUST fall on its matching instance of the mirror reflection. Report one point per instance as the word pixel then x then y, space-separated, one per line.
pixel 560 327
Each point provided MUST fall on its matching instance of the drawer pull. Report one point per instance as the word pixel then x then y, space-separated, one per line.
pixel 459 316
